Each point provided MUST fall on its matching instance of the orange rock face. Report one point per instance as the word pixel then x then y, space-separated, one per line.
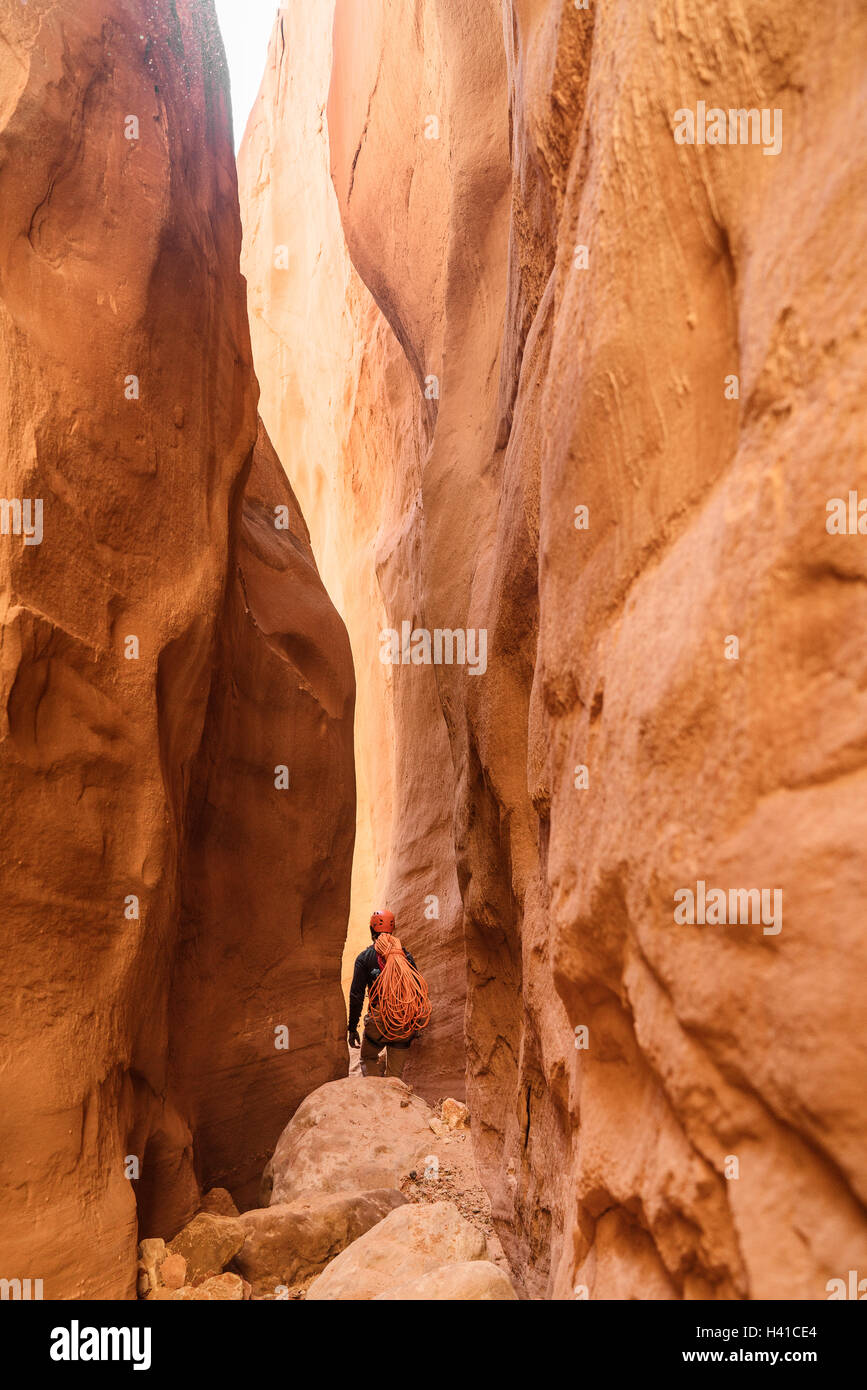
pixel 166 908
pixel 265 875
pixel 343 409
pixel 592 314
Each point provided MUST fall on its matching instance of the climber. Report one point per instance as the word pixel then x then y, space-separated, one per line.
pixel 397 1013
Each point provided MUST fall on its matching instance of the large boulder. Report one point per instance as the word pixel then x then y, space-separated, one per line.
pixel 414 1240
pixel 290 1241
pixel 219 1202
pixel 222 1288
pixel 207 1244
pixel 469 1281
pixel 352 1135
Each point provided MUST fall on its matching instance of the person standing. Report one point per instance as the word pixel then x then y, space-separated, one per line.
pixel 395 1036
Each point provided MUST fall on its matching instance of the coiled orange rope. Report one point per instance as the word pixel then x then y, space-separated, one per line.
pixel 399 1001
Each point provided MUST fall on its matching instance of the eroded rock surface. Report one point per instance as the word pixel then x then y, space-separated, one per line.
pixel 471 1281
pixel 162 650
pixel 219 1202
pixel 583 289
pixel 352 1135
pixel 266 873
pixel 287 1243
pixel 221 1288
pixel 207 1244
pixel 410 1242
pixel 343 409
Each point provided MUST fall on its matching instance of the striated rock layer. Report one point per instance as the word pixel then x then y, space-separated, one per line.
pixel 584 289
pixel 162 649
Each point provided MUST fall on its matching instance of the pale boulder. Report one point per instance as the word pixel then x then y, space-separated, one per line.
pixel 411 1242
pixel 350 1135
pixel 220 1288
pixel 290 1241
pixel 469 1281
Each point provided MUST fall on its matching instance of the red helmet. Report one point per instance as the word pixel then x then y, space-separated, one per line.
pixel 382 921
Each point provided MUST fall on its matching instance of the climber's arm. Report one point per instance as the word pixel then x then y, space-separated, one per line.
pixel 356 993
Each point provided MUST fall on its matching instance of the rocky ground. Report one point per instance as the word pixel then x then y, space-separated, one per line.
pixel 458 1182
pixel 370 1194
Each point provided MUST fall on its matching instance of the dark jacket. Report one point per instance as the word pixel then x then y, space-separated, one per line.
pixel 365 974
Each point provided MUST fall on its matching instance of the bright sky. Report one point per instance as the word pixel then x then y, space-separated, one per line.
pixel 246 27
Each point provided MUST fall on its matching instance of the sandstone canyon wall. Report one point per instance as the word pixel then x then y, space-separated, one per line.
pixel 166 906
pixel 343 408
pixel 564 295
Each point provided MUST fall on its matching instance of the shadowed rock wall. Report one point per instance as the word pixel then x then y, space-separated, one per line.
pixel 135 744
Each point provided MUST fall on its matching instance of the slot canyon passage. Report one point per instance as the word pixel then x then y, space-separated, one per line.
pixel 466 342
